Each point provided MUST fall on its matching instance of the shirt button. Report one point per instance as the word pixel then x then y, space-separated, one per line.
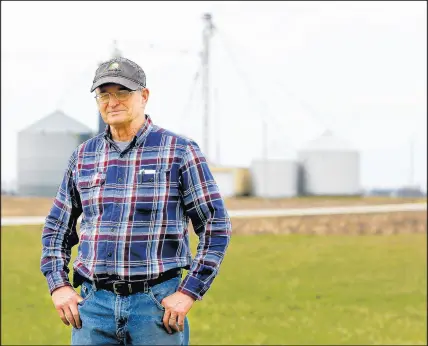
pixel 119 180
pixel 111 229
pixel 109 254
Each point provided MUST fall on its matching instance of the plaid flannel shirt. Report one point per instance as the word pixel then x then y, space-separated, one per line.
pixel 136 206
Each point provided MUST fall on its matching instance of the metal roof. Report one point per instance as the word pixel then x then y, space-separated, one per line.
pixel 328 142
pixel 58 122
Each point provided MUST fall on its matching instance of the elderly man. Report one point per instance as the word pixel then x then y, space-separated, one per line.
pixel 138 186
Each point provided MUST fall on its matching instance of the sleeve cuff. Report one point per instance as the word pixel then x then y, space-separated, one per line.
pixel 57 280
pixel 192 287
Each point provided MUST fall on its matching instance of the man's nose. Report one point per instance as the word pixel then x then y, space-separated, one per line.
pixel 113 101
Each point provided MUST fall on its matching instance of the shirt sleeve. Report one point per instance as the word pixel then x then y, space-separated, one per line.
pixel 59 232
pixel 204 205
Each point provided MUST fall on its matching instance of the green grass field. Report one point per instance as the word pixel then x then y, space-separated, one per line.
pixel 272 289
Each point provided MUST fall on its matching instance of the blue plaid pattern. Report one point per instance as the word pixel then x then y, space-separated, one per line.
pixel 136 207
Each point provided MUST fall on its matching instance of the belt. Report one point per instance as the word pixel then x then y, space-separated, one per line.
pixel 125 288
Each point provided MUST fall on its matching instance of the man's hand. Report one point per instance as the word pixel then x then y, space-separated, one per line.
pixel 176 305
pixel 65 300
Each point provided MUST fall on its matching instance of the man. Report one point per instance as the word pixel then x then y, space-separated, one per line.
pixel 137 186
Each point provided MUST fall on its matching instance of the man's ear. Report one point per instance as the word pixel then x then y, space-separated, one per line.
pixel 145 94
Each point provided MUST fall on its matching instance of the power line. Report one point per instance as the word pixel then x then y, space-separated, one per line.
pixel 264 112
pixel 251 92
pixel 309 109
pixel 304 105
pixel 191 94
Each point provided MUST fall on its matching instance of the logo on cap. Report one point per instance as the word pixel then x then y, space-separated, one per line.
pixel 113 66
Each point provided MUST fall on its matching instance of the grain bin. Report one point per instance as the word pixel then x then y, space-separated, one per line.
pixel 232 181
pixel 43 152
pixel 329 166
pixel 274 178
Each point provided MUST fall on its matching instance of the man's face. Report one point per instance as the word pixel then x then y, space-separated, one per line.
pixel 119 112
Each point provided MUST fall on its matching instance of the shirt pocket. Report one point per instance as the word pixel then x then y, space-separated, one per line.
pixel 152 190
pixel 90 189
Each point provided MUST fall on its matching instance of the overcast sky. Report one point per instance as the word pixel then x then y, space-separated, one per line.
pixel 357 68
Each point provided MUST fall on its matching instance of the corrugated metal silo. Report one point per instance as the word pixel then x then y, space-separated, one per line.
pixel 274 178
pixel 329 166
pixel 43 152
pixel 232 181
pixel 225 182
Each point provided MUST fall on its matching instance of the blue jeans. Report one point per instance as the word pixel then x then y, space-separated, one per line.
pixel 136 319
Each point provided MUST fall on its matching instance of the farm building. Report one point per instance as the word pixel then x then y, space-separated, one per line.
pixel 232 181
pixel 329 166
pixel 274 178
pixel 43 152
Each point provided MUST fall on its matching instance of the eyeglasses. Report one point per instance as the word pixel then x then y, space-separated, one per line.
pixel 121 95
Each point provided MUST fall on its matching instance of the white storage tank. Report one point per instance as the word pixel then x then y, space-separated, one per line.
pixel 329 166
pixel 232 181
pixel 43 152
pixel 274 178
pixel 225 180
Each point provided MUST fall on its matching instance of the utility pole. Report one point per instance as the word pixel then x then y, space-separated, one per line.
pixel 116 52
pixel 207 34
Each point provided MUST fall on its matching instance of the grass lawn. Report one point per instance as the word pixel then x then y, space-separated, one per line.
pixel 272 289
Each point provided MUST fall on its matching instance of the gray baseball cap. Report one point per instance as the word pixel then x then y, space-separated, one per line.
pixel 120 71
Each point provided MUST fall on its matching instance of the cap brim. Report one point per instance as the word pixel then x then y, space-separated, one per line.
pixel 115 80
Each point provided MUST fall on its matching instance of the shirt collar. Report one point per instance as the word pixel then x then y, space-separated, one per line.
pixel 139 137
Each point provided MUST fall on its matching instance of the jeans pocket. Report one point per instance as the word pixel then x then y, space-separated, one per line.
pixel 153 298
pixel 86 292
pixel 159 292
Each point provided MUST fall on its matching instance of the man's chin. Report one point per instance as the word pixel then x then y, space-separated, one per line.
pixel 117 120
